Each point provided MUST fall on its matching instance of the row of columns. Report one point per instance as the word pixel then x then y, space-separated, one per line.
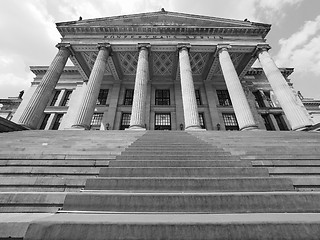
pixel 35 107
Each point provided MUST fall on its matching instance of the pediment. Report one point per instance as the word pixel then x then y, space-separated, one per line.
pixel 163 18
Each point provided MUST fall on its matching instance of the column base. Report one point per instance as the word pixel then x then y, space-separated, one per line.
pixel 302 128
pixel 136 128
pixel 250 128
pixel 194 128
pixel 79 127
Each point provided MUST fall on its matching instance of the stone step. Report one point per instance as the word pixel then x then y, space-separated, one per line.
pixel 174 153
pixel 48 170
pixel 25 156
pixel 176 226
pixel 242 202
pixel 183 172
pixel 268 156
pixel 180 163
pixel 56 163
pixel 177 157
pixel 31 202
pixel 41 184
pixel 286 163
pixel 294 170
pixel 189 184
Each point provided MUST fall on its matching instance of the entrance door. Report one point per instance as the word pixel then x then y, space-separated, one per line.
pixel 162 121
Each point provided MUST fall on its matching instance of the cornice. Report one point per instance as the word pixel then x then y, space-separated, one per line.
pixel 258 71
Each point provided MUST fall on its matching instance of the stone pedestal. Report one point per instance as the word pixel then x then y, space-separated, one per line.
pixel 91 91
pixel 239 101
pixel 40 98
pixel 291 104
pixel 137 121
pixel 190 109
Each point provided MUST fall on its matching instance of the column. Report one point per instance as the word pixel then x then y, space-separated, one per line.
pixel 137 121
pixel 40 98
pixel 291 104
pixel 91 90
pixel 237 95
pixel 190 109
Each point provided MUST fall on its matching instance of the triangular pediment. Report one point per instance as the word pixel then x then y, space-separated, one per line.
pixel 164 18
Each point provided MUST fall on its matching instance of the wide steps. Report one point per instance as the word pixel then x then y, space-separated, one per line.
pixel 183 172
pixel 31 202
pixel 188 184
pixel 150 156
pixel 241 202
pixel 176 226
pixel 179 163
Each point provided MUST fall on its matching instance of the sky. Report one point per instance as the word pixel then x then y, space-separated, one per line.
pixel 29 35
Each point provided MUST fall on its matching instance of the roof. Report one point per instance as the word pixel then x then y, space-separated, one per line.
pixel 164 22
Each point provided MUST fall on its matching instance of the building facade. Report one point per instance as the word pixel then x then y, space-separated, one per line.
pixel 162 71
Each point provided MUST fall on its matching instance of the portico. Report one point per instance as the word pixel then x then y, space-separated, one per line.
pixel 161 72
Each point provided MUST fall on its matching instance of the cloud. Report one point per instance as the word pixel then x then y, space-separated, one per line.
pixel 302 49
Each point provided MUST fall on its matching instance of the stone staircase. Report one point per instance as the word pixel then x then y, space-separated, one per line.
pixel 38 169
pixel 199 185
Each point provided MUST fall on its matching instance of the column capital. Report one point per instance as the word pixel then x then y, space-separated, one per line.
pixel 63 46
pixel 144 46
pixel 181 46
pixel 262 47
pixel 104 45
pixel 223 47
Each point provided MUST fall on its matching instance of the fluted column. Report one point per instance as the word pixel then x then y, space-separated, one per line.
pixel 291 104
pixel 40 98
pixel 237 95
pixel 137 121
pixel 190 108
pixel 91 91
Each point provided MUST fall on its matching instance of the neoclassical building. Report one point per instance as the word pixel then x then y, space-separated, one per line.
pixel 162 71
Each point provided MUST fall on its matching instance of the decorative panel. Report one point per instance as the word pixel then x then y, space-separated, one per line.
pixel 198 62
pixel 129 62
pixel 90 58
pixel 162 63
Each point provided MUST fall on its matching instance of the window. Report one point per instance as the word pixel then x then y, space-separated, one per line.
pixel 224 98
pixel 281 123
pixel 44 122
pixel 57 122
pixel 162 97
pixel 230 121
pixel 259 99
pixel 66 98
pixel 162 121
pixel 201 120
pixel 125 121
pixel 96 121
pixel 102 98
pixel 55 97
pixel 267 122
pixel 198 97
pixel 128 97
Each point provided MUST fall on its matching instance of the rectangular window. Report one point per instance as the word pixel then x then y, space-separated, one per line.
pixel 44 122
pixel 201 120
pixel 66 98
pixel 128 97
pixel 230 121
pixel 162 97
pixel 102 98
pixel 224 98
pixel 55 97
pixel 281 123
pixel 267 122
pixel 125 121
pixel 198 97
pixel 96 121
pixel 57 122
pixel 259 99
pixel 162 121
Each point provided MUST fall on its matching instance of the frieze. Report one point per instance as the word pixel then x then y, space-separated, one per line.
pixel 162 37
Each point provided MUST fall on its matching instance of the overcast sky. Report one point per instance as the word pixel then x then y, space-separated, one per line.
pixel 28 32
